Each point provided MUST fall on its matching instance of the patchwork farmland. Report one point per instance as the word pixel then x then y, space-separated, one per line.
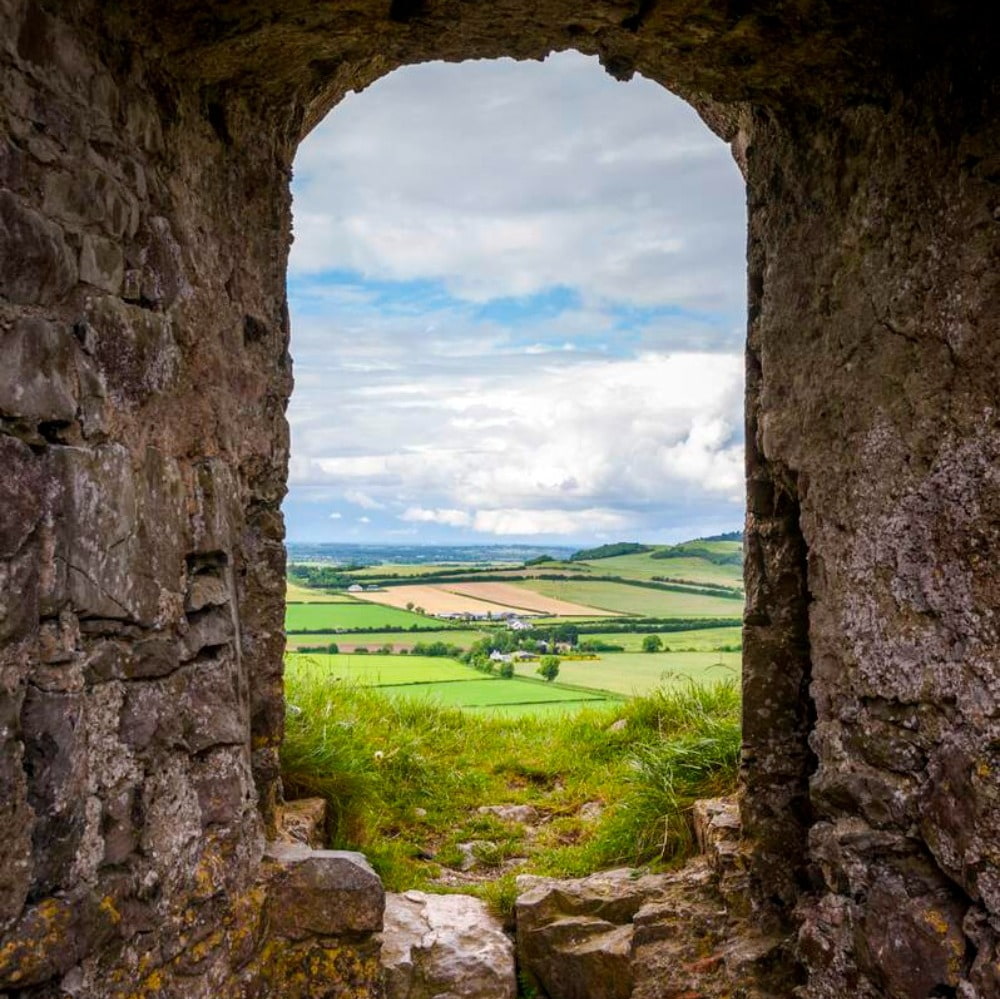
pixel 596 614
pixel 479 599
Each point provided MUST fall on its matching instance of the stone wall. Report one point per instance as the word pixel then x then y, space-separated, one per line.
pixel 878 353
pixel 145 154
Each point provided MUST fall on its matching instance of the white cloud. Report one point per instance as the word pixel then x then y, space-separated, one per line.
pixel 451 518
pixel 502 178
pixel 529 522
pixel 596 434
pixel 335 516
pixel 611 404
pixel 360 498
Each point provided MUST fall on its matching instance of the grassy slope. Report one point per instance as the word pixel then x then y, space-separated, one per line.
pixel 442 681
pixel 378 760
pixel 642 566
pixel 492 692
pixel 635 599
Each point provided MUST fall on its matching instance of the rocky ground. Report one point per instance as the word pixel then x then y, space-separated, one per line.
pixel 618 934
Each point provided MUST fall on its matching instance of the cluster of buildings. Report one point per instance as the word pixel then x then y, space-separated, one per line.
pixel 513 619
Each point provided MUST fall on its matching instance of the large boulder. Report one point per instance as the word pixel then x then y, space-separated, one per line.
pixel 445 947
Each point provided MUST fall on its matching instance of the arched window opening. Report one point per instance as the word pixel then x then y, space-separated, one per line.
pixel 516 484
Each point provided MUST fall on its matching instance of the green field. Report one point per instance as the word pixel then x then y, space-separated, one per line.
pixel 696 640
pixel 636 600
pixel 304 594
pixel 373 640
pixel 381 671
pixel 486 693
pixel 348 615
pixel 453 684
pixel 632 673
pixel 446 682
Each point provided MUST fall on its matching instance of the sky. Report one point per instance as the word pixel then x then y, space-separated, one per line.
pixel 518 308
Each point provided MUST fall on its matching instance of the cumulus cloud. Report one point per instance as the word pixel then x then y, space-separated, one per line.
pixel 626 433
pixel 517 295
pixel 502 178
pixel 526 523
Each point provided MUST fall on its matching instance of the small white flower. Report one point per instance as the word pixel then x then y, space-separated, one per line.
pixel 378 755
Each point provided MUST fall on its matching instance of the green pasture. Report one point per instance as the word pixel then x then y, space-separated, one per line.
pixel 373 640
pixel 696 640
pixel 635 673
pixel 496 694
pixel 635 600
pixel 348 616
pixel 445 683
pixel 386 671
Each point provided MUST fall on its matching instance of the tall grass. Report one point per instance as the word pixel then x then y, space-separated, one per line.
pixel 404 778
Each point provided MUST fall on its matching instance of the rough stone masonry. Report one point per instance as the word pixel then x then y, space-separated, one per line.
pixel 145 155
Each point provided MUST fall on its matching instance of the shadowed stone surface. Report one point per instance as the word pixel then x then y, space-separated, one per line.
pixel 145 154
pixel 678 935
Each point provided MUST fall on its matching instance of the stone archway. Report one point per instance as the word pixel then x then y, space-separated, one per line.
pixel 144 220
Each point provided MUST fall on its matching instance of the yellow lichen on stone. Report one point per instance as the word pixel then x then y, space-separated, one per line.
pixel 29 954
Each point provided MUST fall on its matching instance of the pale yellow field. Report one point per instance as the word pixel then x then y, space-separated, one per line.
pixel 305 595
pixel 514 596
pixel 434 600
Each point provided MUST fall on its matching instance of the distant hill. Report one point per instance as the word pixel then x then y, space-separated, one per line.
pixel 719 550
pixel 609 551
pixel 728 536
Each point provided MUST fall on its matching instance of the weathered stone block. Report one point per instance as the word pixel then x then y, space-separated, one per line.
pixel 207 629
pixel 37 267
pixel 38 380
pixel 303 821
pixel 322 892
pixel 134 347
pixel 16 816
pixel 102 263
pixel 55 760
pixel 913 944
pixel 208 699
pixel 224 786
